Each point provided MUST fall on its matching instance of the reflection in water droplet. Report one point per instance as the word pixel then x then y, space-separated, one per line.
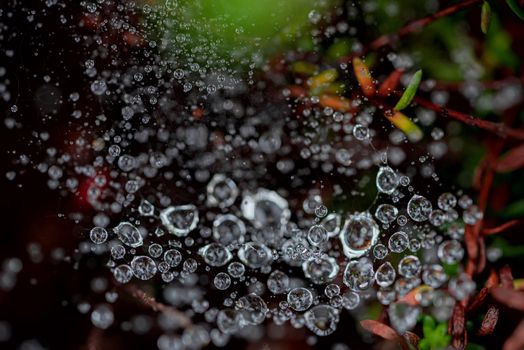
pixel 359 234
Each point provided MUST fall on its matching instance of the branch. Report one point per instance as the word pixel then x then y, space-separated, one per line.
pixel 500 229
pixel 412 27
pixel 500 129
pixel 418 24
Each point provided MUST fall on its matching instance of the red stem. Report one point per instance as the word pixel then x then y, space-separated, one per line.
pixel 500 129
pixel 418 24
pixel 499 229
pixel 412 27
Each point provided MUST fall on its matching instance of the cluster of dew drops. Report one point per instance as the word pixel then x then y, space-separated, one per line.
pixel 294 267
pixel 243 236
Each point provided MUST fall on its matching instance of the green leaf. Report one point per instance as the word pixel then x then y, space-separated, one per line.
pixel 428 324
pixel 435 334
pixel 515 7
pixel 513 210
pixel 508 250
pixel 451 269
pixel 338 49
pixel 485 17
pixel 410 92
pixel 498 45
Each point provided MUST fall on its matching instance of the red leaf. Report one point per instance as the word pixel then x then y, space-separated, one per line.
pixel 492 280
pixel 512 160
pixel 471 242
pixel 459 342
pixel 490 321
pixel 506 277
pixel 516 340
pixel 479 298
pixel 379 329
pixel 509 297
pixel 457 321
pixel 391 83
pixel 412 339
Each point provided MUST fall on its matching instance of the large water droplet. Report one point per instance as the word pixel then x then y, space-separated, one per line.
pixel 359 234
pixel 128 234
pixel 387 180
pixel 180 220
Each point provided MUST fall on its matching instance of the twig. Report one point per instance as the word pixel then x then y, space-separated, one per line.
pixel 149 301
pixel 500 228
pixel 499 129
pixel 418 24
pixel 486 84
pixel 411 27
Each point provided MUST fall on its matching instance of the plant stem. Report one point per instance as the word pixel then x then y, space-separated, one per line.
pixel 411 27
pixel 500 129
pixel 418 24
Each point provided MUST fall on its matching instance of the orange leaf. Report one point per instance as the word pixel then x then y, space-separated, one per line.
pixel 364 78
pixel 337 103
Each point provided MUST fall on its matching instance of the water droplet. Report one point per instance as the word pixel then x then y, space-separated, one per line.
pixel 278 282
pixel 434 275
pixel 215 254
pixel 403 317
pixel 386 213
pixel 128 234
pixel 317 235
pixel 180 220
pixel 320 270
pixel 409 266
pixel 222 281
pixel 229 321
pixel 359 234
pixel 255 255
pixel 221 191
pixel 385 275
pixel 359 274
pixel 265 209
pixel 144 267
pixel 172 257
pixel 252 308
pixel 123 273
pixel 322 319
pixel 419 208
pixel 398 242
pixel 98 235
pixel 447 201
pixel 228 229
pixel 387 180
pixel 450 252
pixel 300 299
